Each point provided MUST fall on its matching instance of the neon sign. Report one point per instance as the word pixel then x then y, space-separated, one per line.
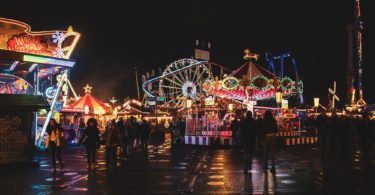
pixel 47 60
pixel 28 44
pixel 17 36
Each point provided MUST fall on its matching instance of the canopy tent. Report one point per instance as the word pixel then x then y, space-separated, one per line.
pixel 88 104
pixel 132 107
pixel 250 69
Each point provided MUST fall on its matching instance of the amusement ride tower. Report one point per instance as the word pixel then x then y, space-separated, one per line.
pixel 357 28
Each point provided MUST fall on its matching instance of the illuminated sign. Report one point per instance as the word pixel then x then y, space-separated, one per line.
pixel 202 54
pixel 210 101
pixel 46 60
pixel 28 44
pixel 284 104
pixel 17 36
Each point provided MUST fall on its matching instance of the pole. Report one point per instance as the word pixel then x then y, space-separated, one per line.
pixel 48 117
pixel 333 95
pixel 136 81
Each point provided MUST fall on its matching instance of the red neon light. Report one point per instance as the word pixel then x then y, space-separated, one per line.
pixel 28 44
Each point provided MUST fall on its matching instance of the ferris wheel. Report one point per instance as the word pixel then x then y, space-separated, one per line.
pixel 183 79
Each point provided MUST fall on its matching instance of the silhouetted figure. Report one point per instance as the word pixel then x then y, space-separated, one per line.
pixel 258 124
pixel 365 136
pixel 111 137
pixel 269 130
pixel 248 138
pixel 145 134
pixel 323 135
pixel 234 126
pixel 91 140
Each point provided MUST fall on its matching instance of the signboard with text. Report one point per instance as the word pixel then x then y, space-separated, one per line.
pixel 202 54
pixel 14 137
pixel 17 36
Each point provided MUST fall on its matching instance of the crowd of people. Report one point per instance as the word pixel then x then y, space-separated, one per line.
pixel 249 134
pixel 129 136
pixel 340 135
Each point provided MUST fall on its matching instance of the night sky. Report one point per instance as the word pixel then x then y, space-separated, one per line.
pixel 117 37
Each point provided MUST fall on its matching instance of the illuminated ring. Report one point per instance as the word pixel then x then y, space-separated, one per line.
pixel 230 83
pixel 207 86
pixel 260 76
pixel 50 92
pixel 289 86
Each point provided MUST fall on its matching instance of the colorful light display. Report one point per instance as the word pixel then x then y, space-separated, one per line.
pixel 17 36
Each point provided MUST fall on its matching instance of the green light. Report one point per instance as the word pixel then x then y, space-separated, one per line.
pixel 35 59
pixel 46 60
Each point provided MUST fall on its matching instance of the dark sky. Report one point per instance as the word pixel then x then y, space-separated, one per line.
pixel 116 37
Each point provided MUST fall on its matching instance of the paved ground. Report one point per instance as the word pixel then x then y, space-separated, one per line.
pixel 195 170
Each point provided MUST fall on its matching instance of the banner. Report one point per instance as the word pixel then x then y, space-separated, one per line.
pixel 14 137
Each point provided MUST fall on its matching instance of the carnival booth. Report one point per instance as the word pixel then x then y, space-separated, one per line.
pixel 16 118
pixel 90 106
pixel 132 107
pixel 36 63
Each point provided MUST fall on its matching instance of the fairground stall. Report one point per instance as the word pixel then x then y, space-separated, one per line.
pixel 90 107
pixel 132 108
pixel 36 63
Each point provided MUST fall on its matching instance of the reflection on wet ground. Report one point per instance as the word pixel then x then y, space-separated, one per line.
pixel 184 169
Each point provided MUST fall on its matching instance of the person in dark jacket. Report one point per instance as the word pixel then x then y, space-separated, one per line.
pixel 123 135
pixel 258 127
pixel 234 126
pixel 269 130
pixel 132 134
pixel 91 139
pixel 248 138
pixel 112 140
pixel 145 134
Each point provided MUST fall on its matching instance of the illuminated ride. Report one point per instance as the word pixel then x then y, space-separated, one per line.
pixel 36 63
pixel 183 79
pixel 191 79
pixel 12 84
pixel 251 82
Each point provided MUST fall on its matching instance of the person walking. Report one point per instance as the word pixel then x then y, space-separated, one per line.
pixel 123 136
pixel 269 130
pixel 145 134
pixel 131 131
pixel 258 127
pixel 55 142
pixel 111 139
pixel 248 138
pixel 91 140
pixel 234 126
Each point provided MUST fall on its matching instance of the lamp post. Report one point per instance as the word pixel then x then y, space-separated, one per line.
pixel 189 102
pixel 230 107
pixel 316 104
pixel 279 98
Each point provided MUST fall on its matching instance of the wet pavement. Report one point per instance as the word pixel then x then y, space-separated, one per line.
pixel 196 170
